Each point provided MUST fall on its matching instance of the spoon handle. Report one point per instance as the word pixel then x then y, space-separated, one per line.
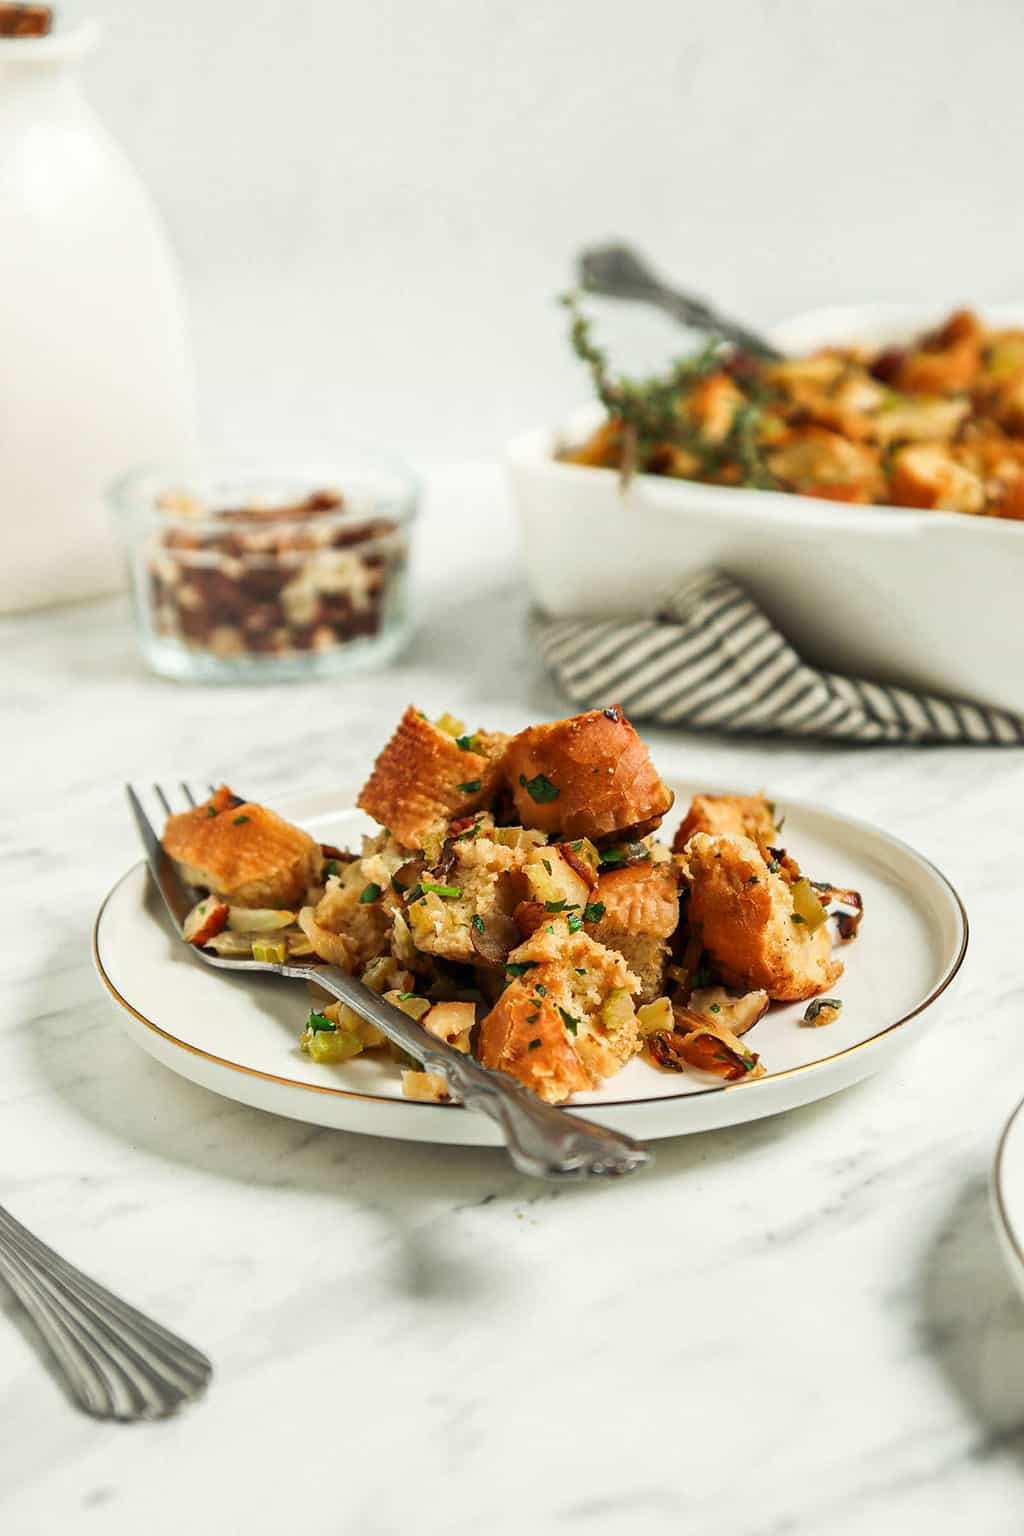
pixel 618 272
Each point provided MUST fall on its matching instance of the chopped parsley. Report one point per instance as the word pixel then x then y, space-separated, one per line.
pixel 613 856
pixel 575 922
pixel 773 866
pixel 404 997
pixel 370 893
pixel 547 864
pixel 593 912
pixel 542 989
pixel 539 788
pixel 796 918
pixel 753 880
pixel 714 1008
pixel 416 894
pixel 469 833
pixel 465 743
pixel 397 886
pixel 320 1024
pixel 531 1018
pixel 520 967
pixel 533 1045
pixel 581 970
pixel 448 891
pixel 211 810
pixel 470 787
pixel 236 821
pixel 577 845
pixel 331 868
pixel 561 906
pixel 477 922
pixel 571 1024
pixel 822 1005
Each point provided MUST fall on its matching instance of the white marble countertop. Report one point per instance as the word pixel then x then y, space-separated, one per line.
pixel 800 1327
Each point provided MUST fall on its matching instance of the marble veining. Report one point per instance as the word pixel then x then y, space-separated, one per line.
pixel 799 1327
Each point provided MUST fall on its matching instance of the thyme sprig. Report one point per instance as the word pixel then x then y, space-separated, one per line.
pixel 649 408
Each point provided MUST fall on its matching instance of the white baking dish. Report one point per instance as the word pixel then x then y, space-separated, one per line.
pixel 929 599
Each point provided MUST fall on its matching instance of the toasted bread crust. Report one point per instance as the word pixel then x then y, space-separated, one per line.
pixel 641 914
pixel 603 783
pixel 745 917
pixel 551 1066
pixel 750 815
pixel 414 787
pixel 243 852
pixel 548 1027
pixel 641 899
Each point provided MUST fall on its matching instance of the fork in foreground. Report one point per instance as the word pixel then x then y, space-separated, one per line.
pixel 117 1363
pixel 542 1141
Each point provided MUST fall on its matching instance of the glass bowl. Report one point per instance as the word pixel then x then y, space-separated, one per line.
pixel 242 574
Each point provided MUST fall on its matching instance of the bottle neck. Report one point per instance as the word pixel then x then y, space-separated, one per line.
pixel 43 70
pixel 36 61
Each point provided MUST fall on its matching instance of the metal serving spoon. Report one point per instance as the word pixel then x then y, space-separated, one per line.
pixel 618 272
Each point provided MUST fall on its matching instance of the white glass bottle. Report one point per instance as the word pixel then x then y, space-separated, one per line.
pixel 95 364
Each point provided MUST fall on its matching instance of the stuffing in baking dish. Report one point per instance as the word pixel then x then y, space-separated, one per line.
pixel 518 902
pixel 938 423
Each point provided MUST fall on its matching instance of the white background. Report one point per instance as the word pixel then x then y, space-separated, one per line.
pixel 375 203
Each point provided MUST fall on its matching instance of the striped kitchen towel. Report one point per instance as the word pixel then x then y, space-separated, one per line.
pixel 710 658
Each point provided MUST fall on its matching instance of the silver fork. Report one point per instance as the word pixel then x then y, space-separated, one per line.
pixel 541 1140
pixel 118 1363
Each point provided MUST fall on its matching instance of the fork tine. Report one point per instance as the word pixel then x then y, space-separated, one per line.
pixel 189 796
pixel 177 896
pixel 158 791
pixel 141 819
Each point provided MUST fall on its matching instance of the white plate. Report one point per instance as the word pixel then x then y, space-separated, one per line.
pixel 239 1037
pixel 1008 1193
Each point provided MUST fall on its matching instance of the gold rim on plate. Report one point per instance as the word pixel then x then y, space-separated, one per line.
pixel 668 1098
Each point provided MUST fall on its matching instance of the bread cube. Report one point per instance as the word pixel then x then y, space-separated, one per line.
pixel 589 776
pixel 486 879
pixel 423 779
pixel 352 923
pixel 928 475
pixel 566 1019
pixel 745 915
pixel 751 816
pixel 555 881
pixel 818 462
pixel 243 852
pixel 641 913
pixel 947 361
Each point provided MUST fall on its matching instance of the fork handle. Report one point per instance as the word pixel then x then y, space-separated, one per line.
pixel 117 1363
pixel 619 272
pixel 543 1141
